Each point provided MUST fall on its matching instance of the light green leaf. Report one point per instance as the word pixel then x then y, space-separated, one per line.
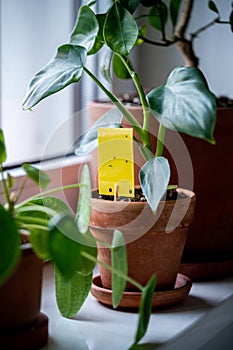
pixel 158 15
pixel 66 68
pixel 105 64
pixel 154 178
pixel 10 180
pixel 63 244
pixel 120 30
pixel 38 176
pixel 9 244
pixel 39 239
pixel 145 309
pixel 185 103
pixel 86 266
pixel 71 294
pixel 2 148
pixel 119 263
pixel 174 7
pixel 89 141
pixel 84 201
pixel 85 29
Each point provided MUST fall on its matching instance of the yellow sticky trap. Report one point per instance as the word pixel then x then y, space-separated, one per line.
pixel 116 162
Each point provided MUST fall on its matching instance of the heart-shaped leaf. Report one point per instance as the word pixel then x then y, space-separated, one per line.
pixel 154 179
pixel 9 244
pixel 85 29
pixel 89 141
pixel 119 262
pixel 185 103
pixel 66 68
pixel 71 294
pixel 120 30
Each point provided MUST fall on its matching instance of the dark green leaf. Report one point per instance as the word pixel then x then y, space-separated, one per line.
pixel 174 8
pixel 99 40
pixel 154 179
pixel 120 30
pixel 148 3
pixel 119 263
pixel 212 6
pixel 231 20
pixel 185 103
pixel 85 29
pixel 158 15
pixel 89 141
pixel 66 68
pixel 2 148
pixel 39 239
pixel 130 5
pixel 84 201
pixel 145 308
pixel 63 244
pixel 9 244
pixel 119 68
pixel 38 176
pixel 71 294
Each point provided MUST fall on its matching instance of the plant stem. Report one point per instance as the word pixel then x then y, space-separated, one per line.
pixel 45 193
pixel 119 273
pixel 143 100
pixel 131 119
pixel 160 141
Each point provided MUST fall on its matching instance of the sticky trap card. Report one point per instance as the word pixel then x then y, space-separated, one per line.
pixel 116 161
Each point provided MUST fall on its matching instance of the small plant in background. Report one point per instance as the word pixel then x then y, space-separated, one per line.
pixel 55 234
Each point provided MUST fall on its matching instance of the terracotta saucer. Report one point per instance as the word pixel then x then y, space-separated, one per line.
pixel 161 299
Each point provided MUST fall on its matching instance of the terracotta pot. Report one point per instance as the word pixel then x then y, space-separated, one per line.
pixel 154 242
pixel 22 325
pixel 207 170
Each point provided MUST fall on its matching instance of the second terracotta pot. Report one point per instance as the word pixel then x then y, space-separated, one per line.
pixel 155 243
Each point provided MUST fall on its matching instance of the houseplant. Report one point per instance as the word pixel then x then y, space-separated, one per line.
pixel 43 228
pixel 208 252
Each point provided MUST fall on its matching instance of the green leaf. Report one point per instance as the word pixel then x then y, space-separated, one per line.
pixel 39 239
pixel 105 64
pixel 174 8
pixel 212 6
pixel 63 244
pixel 185 103
pixel 120 30
pixel 71 294
pixel 10 180
pixel 99 40
pixel 85 29
pixel 84 201
pixel 130 5
pixel 89 141
pixel 38 176
pixel 64 69
pixel 9 244
pixel 158 15
pixel 119 68
pixel 145 309
pixel 86 266
pixel 119 263
pixel 2 148
pixel 154 178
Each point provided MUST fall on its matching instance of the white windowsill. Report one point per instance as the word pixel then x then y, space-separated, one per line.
pixel 204 320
